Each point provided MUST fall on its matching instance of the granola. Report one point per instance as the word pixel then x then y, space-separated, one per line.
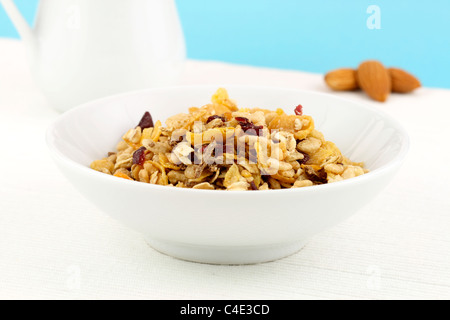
pixel 222 147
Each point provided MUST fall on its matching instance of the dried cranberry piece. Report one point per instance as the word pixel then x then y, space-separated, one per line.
pixel 214 118
pixel 146 121
pixel 305 159
pixel 299 110
pixel 249 127
pixel 139 156
pixel 254 131
pixel 242 120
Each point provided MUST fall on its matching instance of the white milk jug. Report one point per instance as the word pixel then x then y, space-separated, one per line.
pixel 85 49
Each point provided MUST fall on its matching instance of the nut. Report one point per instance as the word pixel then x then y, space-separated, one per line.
pixel 342 79
pixel 402 81
pixel 375 80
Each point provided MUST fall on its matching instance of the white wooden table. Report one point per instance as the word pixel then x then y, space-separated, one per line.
pixel 55 244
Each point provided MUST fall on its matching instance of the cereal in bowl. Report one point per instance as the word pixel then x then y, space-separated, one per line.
pixel 222 147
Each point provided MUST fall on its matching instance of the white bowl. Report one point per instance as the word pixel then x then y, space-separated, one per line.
pixel 223 227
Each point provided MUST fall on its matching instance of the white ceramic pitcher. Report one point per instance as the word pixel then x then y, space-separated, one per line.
pixel 85 49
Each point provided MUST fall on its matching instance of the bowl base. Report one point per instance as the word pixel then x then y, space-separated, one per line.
pixel 226 255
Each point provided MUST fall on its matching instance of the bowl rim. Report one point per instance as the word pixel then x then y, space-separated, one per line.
pixel 394 163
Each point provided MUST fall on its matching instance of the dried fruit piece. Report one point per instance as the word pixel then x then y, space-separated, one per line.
pixel 305 159
pixel 342 79
pixel 402 81
pixel 215 117
pixel 375 80
pixel 249 127
pixel 299 110
pixel 242 120
pixel 146 121
pixel 122 175
pixel 139 156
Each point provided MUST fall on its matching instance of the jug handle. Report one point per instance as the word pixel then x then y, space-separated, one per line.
pixel 18 20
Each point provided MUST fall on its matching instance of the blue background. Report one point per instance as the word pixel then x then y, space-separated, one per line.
pixel 310 35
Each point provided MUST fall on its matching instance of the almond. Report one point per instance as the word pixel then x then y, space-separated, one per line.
pixel 342 79
pixel 374 79
pixel 402 81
